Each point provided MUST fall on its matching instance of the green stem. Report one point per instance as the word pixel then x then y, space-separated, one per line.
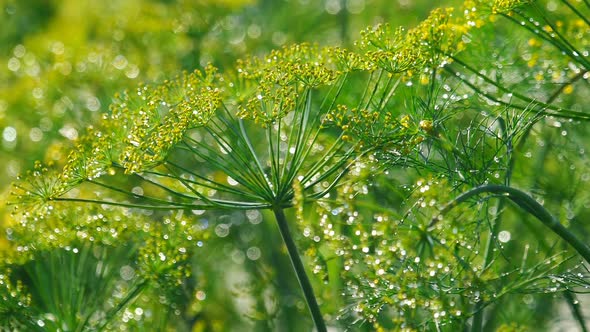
pixel 545 108
pixel 172 206
pixel 129 297
pixel 576 310
pixel 577 12
pixel 530 205
pixel 344 23
pixel 477 323
pixel 300 270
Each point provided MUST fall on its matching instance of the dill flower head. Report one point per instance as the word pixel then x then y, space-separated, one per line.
pixel 426 45
pixel 280 78
pixel 157 118
pixel 503 6
pixel 33 192
pixel 347 61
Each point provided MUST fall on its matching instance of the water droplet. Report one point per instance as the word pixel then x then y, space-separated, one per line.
pixel 222 230
pixel 200 295
pixel 137 191
pixel 120 62
pixel 253 253
pixel 13 64
pixel 333 7
pixel 504 236
pixel 127 272
pixel 9 134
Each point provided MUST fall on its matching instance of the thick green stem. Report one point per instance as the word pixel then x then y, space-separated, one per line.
pixel 312 303
pixel 477 322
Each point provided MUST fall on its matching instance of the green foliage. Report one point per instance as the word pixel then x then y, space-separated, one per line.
pixel 430 176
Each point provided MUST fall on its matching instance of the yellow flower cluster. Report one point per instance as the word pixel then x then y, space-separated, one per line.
pixel 92 157
pixel 164 116
pixel 345 61
pixel 503 6
pixel 280 78
pixel 36 189
pixel 426 45
pixel 165 246
pixel 165 256
pixel 13 297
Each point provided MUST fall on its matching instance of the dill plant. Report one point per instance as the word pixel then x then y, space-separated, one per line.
pixel 69 78
pixel 436 266
pixel 379 176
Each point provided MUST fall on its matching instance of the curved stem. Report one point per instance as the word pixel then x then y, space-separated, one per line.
pixel 530 205
pixel 310 298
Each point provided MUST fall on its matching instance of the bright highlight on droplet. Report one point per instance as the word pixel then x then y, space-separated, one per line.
pixel 13 64
pixel 200 295
pixel 92 103
pixel 222 230
pixel 504 236
pixel 35 134
pixel 231 181
pixel 127 272
pixel 253 253
pixel 9 134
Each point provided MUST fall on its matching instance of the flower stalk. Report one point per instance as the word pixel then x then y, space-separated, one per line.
pixel 304 282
